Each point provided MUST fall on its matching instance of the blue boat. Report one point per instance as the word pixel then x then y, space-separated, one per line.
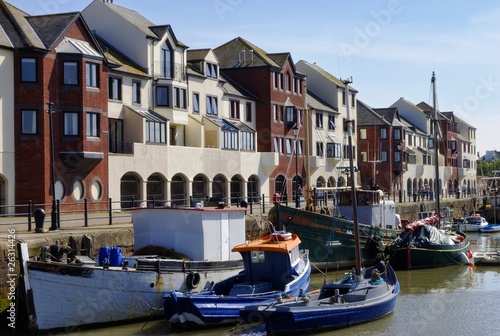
pixel 274 267
pixel 361 296
pixel 490 228
pixel 350 301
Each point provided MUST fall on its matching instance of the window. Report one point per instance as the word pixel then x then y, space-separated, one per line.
pixel 331 122
pixel 70 73
pixel 248 141
pixel 275 112
pixel 431 143
pixel 136 92
pixel 28 70
pixel 196 102
pixel 166 61
pixel 114 88
pixel 278 145
pixel 363 156
pixel 180 98
pixel 28 122
pixel 383 156
pixel 289 146
pixel 162 96
pixel 347 151
pixel 71 123
pixel 234 109
pixel 156 131
pixel 212 105
pixel 319 149
pixel 275 80
pixel 333 150
pixel 211 70
pixel 319 120
pixel 453 145
pixel 349 124
pixel 229 139
pixel 291 116
pixel 248 112
pixel 383 133
pixel 280 81
pixel 92 124
pixel 91 74
pixel 397 134
pixel 299 85
pixel 353 100
pixel 362 134
pixel 287 82
pixel 397 156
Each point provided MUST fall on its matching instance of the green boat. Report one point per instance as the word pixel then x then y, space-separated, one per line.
pixel 330 239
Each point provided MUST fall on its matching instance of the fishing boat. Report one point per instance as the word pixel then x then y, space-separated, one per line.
pixel 65 291
pixel 473 224
pixel 274 266
pixel 425 243
pixel 486 258
pixel 361 296
pixel 330 241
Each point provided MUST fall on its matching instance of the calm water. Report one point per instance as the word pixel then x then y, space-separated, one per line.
pixel 453 300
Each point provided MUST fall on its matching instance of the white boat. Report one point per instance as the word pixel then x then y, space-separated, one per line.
pixel 88 291
pixel 490 228
pixel 473 224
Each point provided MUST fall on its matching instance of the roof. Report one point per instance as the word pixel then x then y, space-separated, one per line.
pixel 367 116
pixel 240 125
pixel 120 62
pixel 72 46
pixel 17 31
pixel 328 76
pixel 50 28
pixel 318 104
pixel 269 243
pixel 148 114
pixel 239 53
pixel 143 24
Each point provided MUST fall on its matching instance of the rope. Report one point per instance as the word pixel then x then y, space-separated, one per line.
pixel 139 295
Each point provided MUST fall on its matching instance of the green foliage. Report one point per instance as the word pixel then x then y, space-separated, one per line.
pixel 486 168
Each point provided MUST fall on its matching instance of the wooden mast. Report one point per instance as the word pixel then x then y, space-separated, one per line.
pixel 437 140
pixel 354 200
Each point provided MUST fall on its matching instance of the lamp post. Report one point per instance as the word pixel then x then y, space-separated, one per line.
pixel 400 148
pixel 54 213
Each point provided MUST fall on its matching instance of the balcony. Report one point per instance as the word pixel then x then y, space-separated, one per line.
pixel 169 71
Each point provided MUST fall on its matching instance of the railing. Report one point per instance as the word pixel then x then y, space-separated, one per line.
pixel 106 212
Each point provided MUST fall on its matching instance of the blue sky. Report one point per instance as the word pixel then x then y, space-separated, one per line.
pixel 390 48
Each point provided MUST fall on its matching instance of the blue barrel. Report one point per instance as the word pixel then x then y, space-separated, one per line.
pixel 104 254
pixel 115 256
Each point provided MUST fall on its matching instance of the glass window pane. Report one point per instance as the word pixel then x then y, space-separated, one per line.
pixel 70 73
pixel 29 122
pixel 28 70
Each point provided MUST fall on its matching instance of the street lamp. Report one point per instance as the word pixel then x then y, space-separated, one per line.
pixel 400 148
pixel 54 213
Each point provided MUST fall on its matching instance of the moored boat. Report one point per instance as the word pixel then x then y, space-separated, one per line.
pixel 330 241
pixel 490 228
pixel 473 224
pixel 75 291
pixel 274 266
pixel 361 296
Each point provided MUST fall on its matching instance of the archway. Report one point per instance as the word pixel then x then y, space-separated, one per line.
pixel 130 191
pixel 178 190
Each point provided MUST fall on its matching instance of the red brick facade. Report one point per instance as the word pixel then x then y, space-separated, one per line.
pixel 33 152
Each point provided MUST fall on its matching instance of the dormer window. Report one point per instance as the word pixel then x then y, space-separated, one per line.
pixel 167 61
pixel 211 70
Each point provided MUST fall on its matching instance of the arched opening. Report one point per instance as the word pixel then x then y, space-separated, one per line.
pixel 236 189
pixel 155 189
pixel 178 190
pixel 253 189
pixel 130 191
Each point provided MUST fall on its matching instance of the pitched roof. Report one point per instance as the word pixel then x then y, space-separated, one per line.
pixel 18 32
pixel 328 75
pixel 239 53
pixel 318 104
pixel 367 116
pixel 142 23
pixel 50 28
pixel 119 61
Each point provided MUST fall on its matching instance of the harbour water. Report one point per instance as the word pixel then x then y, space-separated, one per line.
pixel 453 300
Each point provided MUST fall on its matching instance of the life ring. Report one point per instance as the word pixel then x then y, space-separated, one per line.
pixel 193 280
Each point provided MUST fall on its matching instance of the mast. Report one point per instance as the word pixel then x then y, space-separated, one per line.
pixel 437 140
pixel 352 178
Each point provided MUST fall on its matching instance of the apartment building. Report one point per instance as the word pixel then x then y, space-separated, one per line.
pixel 54 109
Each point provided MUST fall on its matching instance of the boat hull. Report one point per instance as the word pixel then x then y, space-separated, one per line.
pixel 405 258
pixel 66 296
pixel 304 316
pixel 318 232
